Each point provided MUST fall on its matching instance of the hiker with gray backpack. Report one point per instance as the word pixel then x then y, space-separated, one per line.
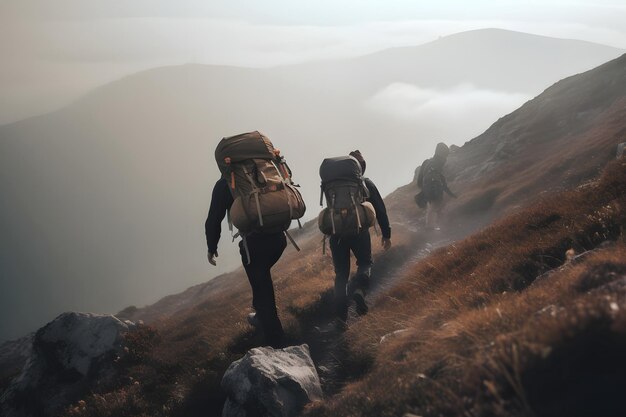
pixel 258 194
pixel 353 206
pixel 433 184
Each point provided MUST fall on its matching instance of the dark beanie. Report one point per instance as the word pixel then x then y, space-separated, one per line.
pixel 357 155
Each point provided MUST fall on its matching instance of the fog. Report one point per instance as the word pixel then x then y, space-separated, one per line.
pixel 104 200
pixel 444 113
pixel 54 52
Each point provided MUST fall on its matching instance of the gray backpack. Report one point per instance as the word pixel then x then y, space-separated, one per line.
pixel 347 212
pixel 265 197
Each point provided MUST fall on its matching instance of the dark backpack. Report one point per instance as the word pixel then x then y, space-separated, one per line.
pixel 265 197
pixel 432 182
pixel 347 211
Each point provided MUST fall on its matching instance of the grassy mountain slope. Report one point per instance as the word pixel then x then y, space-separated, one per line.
pixel 503 323
pixel 495 324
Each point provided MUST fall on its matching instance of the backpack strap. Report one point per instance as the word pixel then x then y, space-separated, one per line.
pixel 366 191
pixel 356 211
pixel 230 223
pixel 332 214
pixel 258 207
pixel 230 171
pixel 255 191
pixel 245 247
pixel 293 242
pixel 286 183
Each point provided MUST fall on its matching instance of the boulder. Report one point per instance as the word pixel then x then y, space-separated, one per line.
pixel 271 382
pixel 67 356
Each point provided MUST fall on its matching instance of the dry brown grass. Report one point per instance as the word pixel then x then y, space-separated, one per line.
pixel 177 368
pixel 459 301
pixel 475 340
pixel 546 164
pixel 456 304
pixel 461 298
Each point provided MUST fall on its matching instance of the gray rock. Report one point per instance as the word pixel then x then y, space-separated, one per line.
pixel 271 382
pixel 67 355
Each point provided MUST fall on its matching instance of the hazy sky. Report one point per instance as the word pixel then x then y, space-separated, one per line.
pixel 54 51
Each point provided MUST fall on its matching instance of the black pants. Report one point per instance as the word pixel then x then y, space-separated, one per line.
pixel 361 246
pixel 265 250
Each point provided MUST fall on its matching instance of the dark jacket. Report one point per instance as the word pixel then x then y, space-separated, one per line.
pixel 379 206
pixel 221 200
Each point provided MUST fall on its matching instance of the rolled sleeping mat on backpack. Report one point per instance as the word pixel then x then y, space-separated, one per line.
pixel 340 168
pixel 343 223
pixel 274 210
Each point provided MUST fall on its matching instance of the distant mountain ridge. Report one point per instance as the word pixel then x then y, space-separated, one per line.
pixel 523 62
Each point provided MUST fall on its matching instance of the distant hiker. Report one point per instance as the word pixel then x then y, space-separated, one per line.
pixel 432 183
pixel 353 206
pixel 261 199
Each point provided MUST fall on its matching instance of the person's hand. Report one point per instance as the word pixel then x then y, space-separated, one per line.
pixel 386 242
pixel 211 257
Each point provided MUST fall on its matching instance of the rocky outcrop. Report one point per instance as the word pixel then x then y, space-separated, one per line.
pixel 14 353
pixel 68 355
pixel 271 382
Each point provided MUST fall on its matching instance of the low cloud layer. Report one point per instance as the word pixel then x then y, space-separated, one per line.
pixel 458 113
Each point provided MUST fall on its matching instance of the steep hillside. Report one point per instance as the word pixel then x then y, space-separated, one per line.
pixel 487 325
pixel 558 140
pixel 107 196
pixel 524 318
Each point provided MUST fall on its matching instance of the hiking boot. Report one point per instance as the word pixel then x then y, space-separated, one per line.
pixel 359 300
pixel 339 325
pixel 336 325
pixel 253 320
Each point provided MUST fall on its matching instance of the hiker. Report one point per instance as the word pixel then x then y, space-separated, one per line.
pixel 354 205
pixel 257 192
pixel 433 183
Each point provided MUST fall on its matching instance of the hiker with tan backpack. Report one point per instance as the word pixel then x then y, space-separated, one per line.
pixel 258 194
pixel 353 206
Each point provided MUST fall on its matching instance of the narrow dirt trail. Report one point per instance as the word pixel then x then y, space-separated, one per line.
pixel 323 335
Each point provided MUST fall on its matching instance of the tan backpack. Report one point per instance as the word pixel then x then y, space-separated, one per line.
pixel 265 197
